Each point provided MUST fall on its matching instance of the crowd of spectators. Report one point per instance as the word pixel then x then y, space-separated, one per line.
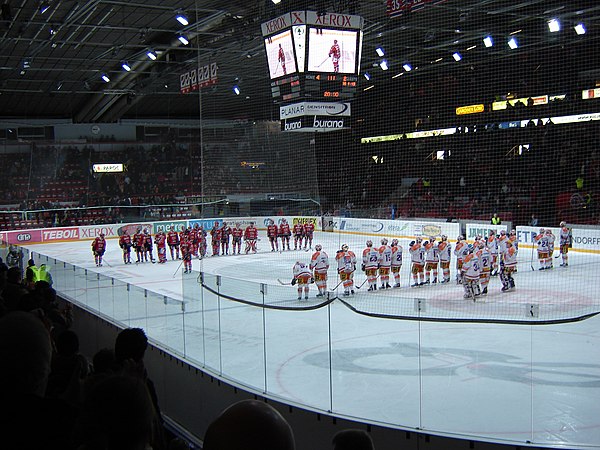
pixel 551 170
pixel 55 397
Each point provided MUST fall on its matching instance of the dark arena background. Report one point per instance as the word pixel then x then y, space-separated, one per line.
pixel 457 139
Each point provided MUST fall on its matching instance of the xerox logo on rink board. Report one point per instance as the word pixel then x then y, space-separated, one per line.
pixel 95 231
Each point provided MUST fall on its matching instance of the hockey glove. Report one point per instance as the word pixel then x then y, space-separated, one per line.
pixel 312 280
pixel 293 281
pixel 363 268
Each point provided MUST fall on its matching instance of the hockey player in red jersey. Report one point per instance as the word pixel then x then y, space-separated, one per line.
pixel 173 242
pixel 284 233
pixel 148 246
pixel 335 54
pixel 215 235
pixel 281 59
pixel 125 244
pixel 138 242
pixel 201 235
pixel 193 240
pixel 160 239
pixel 237 233
pixel 272 235
pixel 186 255
pixel 225 235
pixel 298 235
pixel 309 229
pixel 98 249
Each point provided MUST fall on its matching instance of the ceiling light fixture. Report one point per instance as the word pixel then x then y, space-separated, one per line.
pixel 580 29
pixel 236 89
pixel 367 76
pixel 407 67
pixel 553 25
pixel 126 67
pixel 183 39
pixel 105 78
pixel 383 64
pixel 512 43
pixel 182 19
pixel 151 54
pixel 488 41
pixel 44 6
pixel 379 51
pixel 456 56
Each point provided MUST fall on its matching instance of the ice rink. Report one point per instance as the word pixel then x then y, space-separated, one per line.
pixel 516 367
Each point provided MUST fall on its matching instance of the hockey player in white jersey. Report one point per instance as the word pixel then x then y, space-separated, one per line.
pixel 471 271
pixel 396 261
pixel 385 263
pixel 303 278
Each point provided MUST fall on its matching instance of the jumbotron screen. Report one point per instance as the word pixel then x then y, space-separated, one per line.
pixel 332 51
pixel 280 54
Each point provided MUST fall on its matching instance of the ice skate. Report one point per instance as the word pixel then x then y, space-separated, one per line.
pixel 425 282
pixel 415 284
pixel 306 297
pixel 346 294
pixel 397 285
pixel 352 291
pixel 370 289
pixel 319 295
pixel 484 292
pixel 434 281
pixel 299 297
pixel 387 286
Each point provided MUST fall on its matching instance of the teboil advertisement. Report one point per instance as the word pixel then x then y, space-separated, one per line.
pixel 315 123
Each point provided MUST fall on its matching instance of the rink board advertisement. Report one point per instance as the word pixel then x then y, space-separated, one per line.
pixel 584 239
pixel 93 231
pixel 178 225
pixel 400 228
pixel 482 229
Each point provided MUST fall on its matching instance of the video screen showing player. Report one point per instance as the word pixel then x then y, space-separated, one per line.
pixel 280 54
pixel 332 51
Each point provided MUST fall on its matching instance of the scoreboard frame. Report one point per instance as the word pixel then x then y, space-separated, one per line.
pixel 334 84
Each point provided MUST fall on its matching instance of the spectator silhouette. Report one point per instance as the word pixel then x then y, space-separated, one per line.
pixel 118 415
pixel 14 289
pixel 27 417
pixel 67 362
pixel 249 425
pixel 352 439
pixel 130 348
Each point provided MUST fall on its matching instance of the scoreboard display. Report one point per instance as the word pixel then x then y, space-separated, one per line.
pixel 313 56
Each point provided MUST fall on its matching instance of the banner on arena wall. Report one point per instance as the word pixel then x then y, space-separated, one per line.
pixel 586 239
pixel 178 225
pixel 482 229
pixel 131 228
pixel 525 235
pixel 60 234
pixel 329 224
pixel 398 227
pixel 23 237
pixel 93 231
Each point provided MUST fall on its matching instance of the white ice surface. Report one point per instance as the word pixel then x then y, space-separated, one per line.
pixel 506 382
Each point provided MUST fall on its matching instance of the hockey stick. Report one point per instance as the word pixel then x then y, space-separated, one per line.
pixel 366 279
pixel 284 283
pixel 178 267
pixel 337 285
pixel 276 67
pixel 531 259
pixel 323 62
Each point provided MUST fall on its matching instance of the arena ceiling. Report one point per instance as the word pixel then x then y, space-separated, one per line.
pixel 51 62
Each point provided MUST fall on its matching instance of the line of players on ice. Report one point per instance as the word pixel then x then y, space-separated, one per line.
pixel 475 263
pixel 192 242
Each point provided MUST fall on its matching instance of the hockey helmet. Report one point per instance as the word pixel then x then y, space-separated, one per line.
pixel 344 247
pixel 369 243
pixel 426 243
pixel 512 232
pixel 470 247
pixel 384 241
pixel 419 239
pixel 548 231
pixel 102 235
pixel 431 238
pixel 394 242
pixel 251 224
pixel 283 221
pixel 502 232
pixel 444 237
pixel 492 233
pixel 318 247
pixel 481 245
pixel 460 237
pixel 237 224
pixel 563 224
pixel 542 231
